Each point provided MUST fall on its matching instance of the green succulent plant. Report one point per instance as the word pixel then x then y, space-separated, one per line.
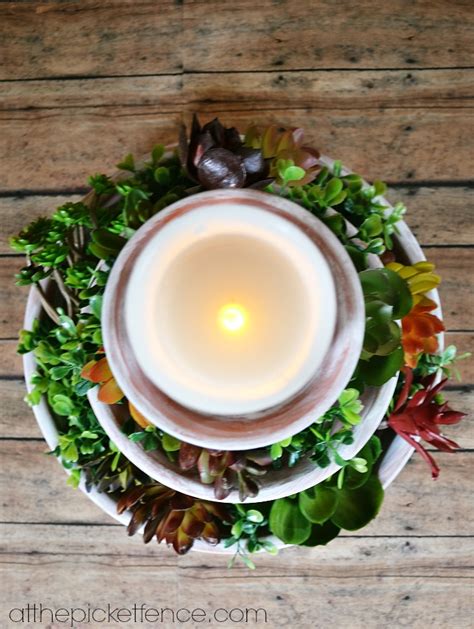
pixel 315 516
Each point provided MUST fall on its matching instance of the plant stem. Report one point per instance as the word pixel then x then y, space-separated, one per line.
pixel 52 314
pixel 70 300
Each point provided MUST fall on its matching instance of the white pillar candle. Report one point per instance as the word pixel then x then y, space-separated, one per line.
pixel 230 309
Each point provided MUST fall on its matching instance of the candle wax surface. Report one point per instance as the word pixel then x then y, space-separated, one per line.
pixel 230 310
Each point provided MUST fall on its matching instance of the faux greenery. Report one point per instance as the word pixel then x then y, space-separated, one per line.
pixel 76 246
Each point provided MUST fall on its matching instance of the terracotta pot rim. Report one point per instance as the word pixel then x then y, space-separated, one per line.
pixel 258 429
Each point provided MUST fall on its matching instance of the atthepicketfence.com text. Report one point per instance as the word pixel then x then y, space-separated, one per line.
pixel 38 613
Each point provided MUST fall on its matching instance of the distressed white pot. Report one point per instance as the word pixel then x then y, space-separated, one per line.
pixel 393 461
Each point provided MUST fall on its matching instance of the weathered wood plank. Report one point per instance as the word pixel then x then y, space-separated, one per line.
pixel 453 264
pixel 65 146
pixel 166 91
pixel 456 290
pixel 40 479
pixel 215 92
pixel 312 35
pixel 42 39
pixel 109 545
pixel 410 505
pixel 86 39
pixel 366 89
pixel 411 581
pixel 17 420
pixel 10 362
pixel 393 144
pixel 427 210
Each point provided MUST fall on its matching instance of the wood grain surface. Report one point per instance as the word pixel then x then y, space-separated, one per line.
pixel 385 86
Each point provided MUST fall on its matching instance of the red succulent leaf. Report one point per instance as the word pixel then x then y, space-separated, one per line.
pixel 150 529
pixel 224 484
pixel 130 498
pixel 181 502
pixel 138 518
pixel 191 525
pixel 202 513
pixel 421 416
pixel 169 524
pixel 182 542
pixel 218 510
pixel 203 467
pixel 161 503
pixel 188 455
pixel 210 533
pixel 260 457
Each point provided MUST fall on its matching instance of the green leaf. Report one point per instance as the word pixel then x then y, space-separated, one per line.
pixel 372 226
pixel 162 175
pixel 322 534
pixel 236 529
pixel 270 547
pixel 355 478
pixel 376 447
pixel 87 434
pixel 255 516
pixel 74 478
pixel 288 523
pixel 333 190
pixel 95 303
pixel 170 443
pixel 388 286
pixel 58 373
pixel 348 396
pixel 62 405
pixel 379 369
pixel 318 503
pixel 380 187
pixel 294 173
pixel 108 240
pixel 157 153
pixel 70 452
pixel 100 252
pixel 248 562
pixel 357 507
pixel 276 451
pixel 128 163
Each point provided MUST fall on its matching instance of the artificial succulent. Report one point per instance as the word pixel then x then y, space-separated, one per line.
pixel 177 519
pixel 218 157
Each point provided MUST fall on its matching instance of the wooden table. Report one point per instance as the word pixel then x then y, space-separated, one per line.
pixel 387 87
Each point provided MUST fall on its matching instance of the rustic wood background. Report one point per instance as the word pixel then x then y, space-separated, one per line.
pixel 387 87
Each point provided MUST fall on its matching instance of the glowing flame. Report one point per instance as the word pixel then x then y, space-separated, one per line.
pixel 232 317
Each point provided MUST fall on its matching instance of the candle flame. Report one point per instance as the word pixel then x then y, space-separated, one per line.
pixel 232 317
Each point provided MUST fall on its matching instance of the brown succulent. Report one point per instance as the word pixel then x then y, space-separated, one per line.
pixel 177 519
pixel 215 157
pixel 226 469
pixel 111 472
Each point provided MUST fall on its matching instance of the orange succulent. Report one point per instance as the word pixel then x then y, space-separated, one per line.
pixel 419 331
pixel 140 419
pixel 98 371
pixel 419 327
